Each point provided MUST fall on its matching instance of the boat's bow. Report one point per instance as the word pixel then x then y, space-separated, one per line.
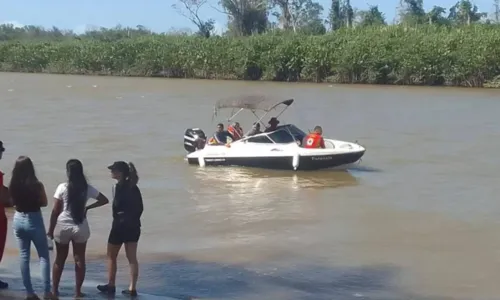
pixel 336 154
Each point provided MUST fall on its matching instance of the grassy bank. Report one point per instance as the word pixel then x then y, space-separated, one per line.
pixel 465 56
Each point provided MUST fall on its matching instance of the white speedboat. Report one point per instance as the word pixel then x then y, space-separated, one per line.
pixel 280 149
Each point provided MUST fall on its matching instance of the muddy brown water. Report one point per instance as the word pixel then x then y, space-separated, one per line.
pixel 419 218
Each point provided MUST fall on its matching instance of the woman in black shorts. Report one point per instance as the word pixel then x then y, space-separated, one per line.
pixel 126 227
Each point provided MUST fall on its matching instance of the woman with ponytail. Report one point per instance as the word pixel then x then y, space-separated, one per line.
pixel 126 226
pixel 69 217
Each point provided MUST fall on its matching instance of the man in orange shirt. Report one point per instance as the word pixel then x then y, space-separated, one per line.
pixel 314 139
pixel 4 198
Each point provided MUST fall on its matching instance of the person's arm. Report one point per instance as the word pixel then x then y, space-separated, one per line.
pixel 5 198
pixel 43 196
pixel 118 201
pixel 4 193
pixel 56 210
pixel 322 143
pixel 101 201
pixel 139 203
pixel 95 194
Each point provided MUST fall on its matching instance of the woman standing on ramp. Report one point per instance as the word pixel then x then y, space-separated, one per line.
pixel 69 217
pixel 126 226
pixel 28 195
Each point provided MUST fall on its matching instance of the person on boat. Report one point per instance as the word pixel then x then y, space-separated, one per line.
pixel 4 202
pixel 255 129
pixel 220 137
pixel 273 122
pixel 28 196
pixel 68 222
pixel 236 131
pixel 314 139
pixel 126 226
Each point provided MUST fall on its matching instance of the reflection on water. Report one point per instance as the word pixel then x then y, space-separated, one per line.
pixel 245 207
pixel 251 181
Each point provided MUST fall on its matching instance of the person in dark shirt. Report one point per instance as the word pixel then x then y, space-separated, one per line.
pixel 126 227
pixel 4 202
pixel 221 137
pixel 28 196
pixel 273 124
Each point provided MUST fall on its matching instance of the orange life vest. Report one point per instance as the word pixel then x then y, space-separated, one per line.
pixel 314 140
pixel 236 133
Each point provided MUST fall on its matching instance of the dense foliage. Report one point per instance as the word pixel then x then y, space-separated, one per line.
pixel 422 55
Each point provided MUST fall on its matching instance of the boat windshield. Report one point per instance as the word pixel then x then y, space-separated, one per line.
pixel 281 137
pixel 292 131
pixel 287 134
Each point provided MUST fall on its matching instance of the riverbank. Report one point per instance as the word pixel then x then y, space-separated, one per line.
pixel 9 272
pixel 427 55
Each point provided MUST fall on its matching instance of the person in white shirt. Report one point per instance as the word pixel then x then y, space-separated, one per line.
pixel 68 222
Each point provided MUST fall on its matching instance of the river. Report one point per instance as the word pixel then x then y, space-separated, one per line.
pixel 417 219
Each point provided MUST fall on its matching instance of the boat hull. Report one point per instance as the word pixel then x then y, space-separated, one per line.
pixel 305 162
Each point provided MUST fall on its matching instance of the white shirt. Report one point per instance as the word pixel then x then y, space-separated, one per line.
pixel 62 194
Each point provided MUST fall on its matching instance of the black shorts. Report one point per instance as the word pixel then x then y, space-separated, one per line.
pixel 124 234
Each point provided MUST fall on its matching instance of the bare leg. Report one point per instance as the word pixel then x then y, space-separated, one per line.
pixel 79 256
pixel 113 251
pixel 131 252
pixel 57 270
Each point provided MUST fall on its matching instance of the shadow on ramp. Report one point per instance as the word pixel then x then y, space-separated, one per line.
pixel 188 279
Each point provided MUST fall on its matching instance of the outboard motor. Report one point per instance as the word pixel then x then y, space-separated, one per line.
pixel 194 139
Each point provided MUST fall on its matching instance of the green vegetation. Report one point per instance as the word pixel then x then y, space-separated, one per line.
pixel 427 55
pixel 423 48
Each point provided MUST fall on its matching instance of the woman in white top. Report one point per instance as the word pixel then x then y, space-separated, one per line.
pixel 69 217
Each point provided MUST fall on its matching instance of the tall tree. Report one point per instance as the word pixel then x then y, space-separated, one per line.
pixel 436 16
pixel 341 14
pixel 246 17
pixel 310 20
pixel 348 12
pixel 285 15
pixel 335 19
pixel 300 15
pixel 371 17
pixel 191 10
pixel 465 13
pixel 496 4
pixel 412 12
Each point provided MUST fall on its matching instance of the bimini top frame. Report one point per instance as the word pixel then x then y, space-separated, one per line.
pixel 253 103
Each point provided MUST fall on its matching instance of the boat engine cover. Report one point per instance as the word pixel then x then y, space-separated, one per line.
pixel 194 139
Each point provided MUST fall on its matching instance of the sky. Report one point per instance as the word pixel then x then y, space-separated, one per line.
pixel 157 15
